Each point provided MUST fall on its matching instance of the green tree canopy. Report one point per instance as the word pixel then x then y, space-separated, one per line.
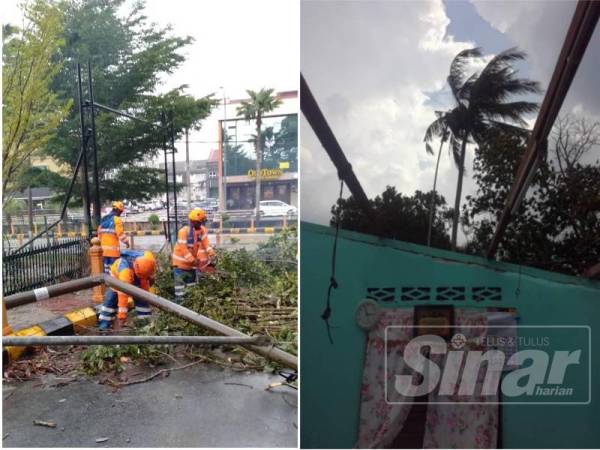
pixel 31 110
pixel 129 57
pixel 396 216
pixel 557 226
pixel 284 144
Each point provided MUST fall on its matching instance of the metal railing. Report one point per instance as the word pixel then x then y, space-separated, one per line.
pixel 44 263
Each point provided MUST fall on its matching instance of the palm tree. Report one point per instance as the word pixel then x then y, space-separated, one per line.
pixel 443 139
pixel 260 102
pixel 482 106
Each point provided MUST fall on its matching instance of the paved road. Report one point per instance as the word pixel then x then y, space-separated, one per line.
pixel 229 242
pixel 196 407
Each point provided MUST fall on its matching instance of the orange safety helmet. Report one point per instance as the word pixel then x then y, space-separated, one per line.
pixel 145 266
pixel 197 215
pixel 118 205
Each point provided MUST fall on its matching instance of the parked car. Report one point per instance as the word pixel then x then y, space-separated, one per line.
pixel 208 206
pixel 276 208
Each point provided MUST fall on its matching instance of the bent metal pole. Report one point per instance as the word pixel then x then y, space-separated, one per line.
pixel 24 341
pixel 268 351
pixel 22 298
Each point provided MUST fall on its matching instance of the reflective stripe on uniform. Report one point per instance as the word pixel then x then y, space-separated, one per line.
pixel 110 247
pixel 181 241
pixel 107 309
pixel 143 309
pixel 122 309
pixel 103 317
pixel 107 231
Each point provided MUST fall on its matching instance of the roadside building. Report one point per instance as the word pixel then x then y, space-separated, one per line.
pixel 279 172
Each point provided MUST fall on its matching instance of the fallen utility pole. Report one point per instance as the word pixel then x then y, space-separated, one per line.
pixel 268 351
pixel 576 41
pixel 23 298
pixel 24 341
pixel 319 124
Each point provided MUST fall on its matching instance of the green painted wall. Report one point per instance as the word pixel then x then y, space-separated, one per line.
pixel 331 374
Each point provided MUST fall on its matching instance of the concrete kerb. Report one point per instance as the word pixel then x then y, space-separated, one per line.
pixel 65 325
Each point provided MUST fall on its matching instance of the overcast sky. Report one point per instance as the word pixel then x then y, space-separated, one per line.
pixel 378 71
pixel 238 45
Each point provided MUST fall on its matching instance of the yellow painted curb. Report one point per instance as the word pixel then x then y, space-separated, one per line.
pixel 15 352
pixel 82 318
pixel 269 230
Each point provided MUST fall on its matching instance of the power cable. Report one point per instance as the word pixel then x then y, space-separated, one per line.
pixel 333 284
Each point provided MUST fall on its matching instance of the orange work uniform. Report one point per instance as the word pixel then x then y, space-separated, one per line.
pixel 111 232
pixel 189 240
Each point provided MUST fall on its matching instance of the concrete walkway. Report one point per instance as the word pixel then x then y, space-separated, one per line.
pixel 33 313
pixel 203 406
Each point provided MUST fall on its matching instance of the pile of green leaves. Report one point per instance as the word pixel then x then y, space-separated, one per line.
pixel 107 358
pixel 251 291
pixel 255 292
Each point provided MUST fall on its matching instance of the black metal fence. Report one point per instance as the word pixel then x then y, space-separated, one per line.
pixel 44 263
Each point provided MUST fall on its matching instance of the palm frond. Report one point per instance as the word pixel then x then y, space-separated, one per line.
pixel 512 111
pixel 456 76
pixel 435 128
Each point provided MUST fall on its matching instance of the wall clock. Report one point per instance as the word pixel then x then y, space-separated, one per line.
pixel 367 314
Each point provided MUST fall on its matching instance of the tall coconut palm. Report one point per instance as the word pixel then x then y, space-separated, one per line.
pixel 443 139
pixel 254 108
pixel 482 105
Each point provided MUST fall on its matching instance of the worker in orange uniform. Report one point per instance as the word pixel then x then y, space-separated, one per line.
pixel 134 267
pixel 189 239
pixel 111 235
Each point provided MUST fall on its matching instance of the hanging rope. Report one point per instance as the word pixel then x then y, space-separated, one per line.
pixel 333 284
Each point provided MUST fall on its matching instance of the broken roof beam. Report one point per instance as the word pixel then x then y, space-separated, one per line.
pixel 578 37
pixel 317 121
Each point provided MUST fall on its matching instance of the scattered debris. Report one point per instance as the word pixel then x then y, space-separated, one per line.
pixel 5 436
pixel 44 361
pixel 62 400
pixel 102 439
pixel 151 377
pixel 45 423
pixel 178 396
pixel 50 381
pixel 128 440
pixel 274 385
pixel 240 384
pixel 9 394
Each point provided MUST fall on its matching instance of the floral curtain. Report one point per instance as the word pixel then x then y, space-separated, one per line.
pixel 382 414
